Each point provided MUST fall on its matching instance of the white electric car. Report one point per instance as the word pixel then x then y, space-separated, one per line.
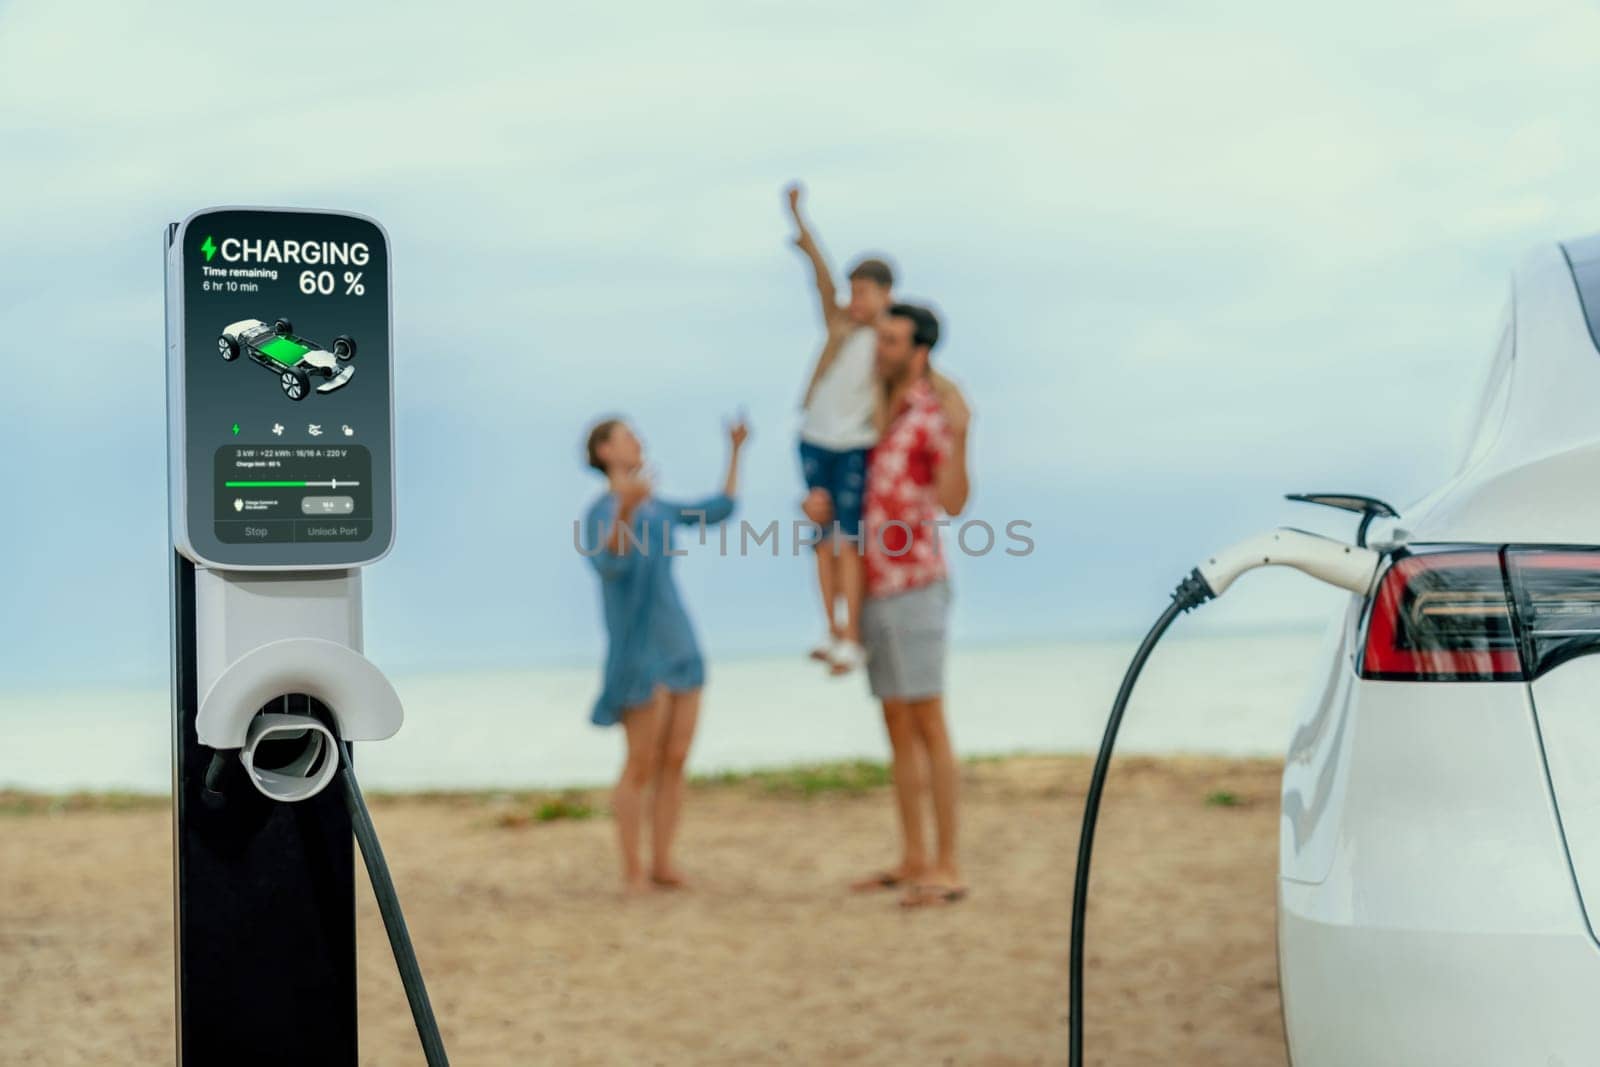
pixel 1439 872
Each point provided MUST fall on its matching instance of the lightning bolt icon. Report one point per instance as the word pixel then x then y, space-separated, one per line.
pixel 208 247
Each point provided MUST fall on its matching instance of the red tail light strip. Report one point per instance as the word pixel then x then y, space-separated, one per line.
pixel 1468 591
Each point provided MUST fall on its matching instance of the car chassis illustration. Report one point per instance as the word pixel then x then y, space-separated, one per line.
pixel 294 359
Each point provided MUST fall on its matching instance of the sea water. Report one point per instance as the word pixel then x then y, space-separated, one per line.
pixel 1226 695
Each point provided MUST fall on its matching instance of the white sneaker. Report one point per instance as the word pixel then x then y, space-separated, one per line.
pixel 845 656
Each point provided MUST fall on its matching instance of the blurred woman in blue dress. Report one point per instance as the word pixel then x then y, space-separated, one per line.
pixel 653 667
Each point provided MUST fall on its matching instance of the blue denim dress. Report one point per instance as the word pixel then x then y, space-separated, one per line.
pixel 650 641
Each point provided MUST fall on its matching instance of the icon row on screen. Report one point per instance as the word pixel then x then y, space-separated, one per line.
pixel 315 429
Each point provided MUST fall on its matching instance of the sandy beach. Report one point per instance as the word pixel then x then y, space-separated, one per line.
pixel 532 956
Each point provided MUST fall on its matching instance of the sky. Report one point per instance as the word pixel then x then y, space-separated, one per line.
pixel 1188 260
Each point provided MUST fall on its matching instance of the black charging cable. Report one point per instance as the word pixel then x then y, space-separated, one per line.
pixel 1191 593
pixel 394 921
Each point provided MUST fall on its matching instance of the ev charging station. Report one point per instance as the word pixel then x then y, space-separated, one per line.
pixel 281 487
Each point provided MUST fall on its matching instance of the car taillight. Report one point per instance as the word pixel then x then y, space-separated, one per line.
pixel 1442 617
pixel 1447 616
pixel 1556 595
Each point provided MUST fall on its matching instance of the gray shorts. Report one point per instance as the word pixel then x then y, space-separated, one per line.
pixel 904 635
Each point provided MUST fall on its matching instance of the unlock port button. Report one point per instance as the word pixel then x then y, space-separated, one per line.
pixel 327 505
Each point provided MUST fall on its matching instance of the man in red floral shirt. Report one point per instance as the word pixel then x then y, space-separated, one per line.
pixel 917 475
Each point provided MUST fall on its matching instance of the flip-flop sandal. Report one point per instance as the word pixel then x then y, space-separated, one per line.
pixel 933 896
pixel 844 657
pixel 886 880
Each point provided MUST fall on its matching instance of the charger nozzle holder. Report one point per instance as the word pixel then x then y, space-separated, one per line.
pixel 261 637
pixel 364 704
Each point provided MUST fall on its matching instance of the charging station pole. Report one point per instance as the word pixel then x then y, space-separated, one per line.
pixel 281 475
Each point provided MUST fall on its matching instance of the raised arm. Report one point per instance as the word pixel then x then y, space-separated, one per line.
pixel 738 433
pixel 827 292
pixel 718 508
pixel 951 481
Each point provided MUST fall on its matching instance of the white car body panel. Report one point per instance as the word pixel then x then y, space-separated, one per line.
pixel 1541 440
pixel 1313 771
pixel 1475 816
pixel 233 330
pixel 1445 927
pixel 1438 839
pixel 339 381
pixel 1434 997
pixel 320 359
pixel 1567 706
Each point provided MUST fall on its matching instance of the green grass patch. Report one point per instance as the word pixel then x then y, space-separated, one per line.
pixel 852 777
pixel 568 806
pixel 563 807
pixel 1223 799
pixel 17 802
pixel 992 758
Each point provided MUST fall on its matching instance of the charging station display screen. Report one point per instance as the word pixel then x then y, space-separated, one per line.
pixel 280 335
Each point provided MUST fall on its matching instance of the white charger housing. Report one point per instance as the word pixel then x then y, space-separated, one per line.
pixel 266 635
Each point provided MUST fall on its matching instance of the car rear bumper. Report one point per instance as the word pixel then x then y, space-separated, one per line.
pixel 1355 993
pixel 1427 912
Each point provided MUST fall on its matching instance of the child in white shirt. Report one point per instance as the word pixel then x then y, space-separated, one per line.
pixel 839 428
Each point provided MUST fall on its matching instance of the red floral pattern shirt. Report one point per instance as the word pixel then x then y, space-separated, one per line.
pixel 901 547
